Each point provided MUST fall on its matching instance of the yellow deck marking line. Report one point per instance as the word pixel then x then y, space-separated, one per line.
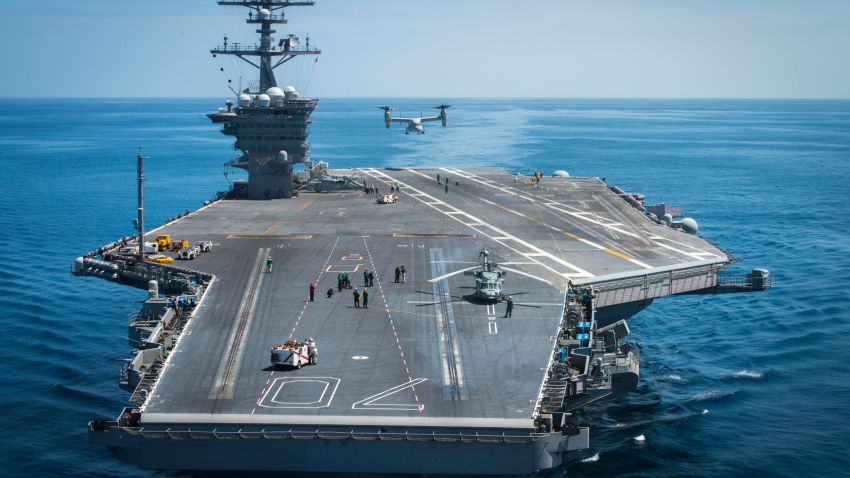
pixel 618 254
pixel 272 227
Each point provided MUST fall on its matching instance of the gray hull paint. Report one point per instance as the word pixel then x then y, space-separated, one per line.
pixel 348 456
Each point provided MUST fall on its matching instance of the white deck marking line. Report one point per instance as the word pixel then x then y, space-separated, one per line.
pixel 492 328
pixel 579 272
pixel 692 255
pixel 232 357
pixel 583 216
pixel 320 403
pixel 280 389
pixel 368 402
pixel 298 319
pixel 603 248
pixel 699 251
pixel 392 324
pixel 318 279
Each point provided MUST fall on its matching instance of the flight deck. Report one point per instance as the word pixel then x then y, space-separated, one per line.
pixel 424 351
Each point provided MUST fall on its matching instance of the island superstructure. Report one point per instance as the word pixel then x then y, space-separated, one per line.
pixel 270 123
pixel 433 376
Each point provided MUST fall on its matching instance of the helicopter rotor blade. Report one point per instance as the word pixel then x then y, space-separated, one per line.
pixel 525 274
pixel 445 276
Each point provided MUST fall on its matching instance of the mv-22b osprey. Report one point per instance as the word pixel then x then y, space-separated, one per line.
pixel 414 125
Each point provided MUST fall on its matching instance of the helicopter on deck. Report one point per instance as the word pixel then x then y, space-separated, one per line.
pixel 488 278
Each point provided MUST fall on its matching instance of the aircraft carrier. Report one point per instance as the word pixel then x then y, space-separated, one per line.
pixel 434 375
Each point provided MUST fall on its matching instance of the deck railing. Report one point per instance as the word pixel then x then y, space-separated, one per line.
pixel 318 434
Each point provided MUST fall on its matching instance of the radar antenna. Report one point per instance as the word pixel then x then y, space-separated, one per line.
pixel 270 55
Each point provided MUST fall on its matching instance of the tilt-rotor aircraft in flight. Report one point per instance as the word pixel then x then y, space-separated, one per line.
pixel 414 125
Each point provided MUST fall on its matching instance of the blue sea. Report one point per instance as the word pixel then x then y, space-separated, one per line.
pixel 734 385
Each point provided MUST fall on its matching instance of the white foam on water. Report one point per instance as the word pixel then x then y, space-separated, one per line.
pixel 591 459
pixel 705 395
pixel 672 377
pixel 640 438
pixel 713 394
pixel 704 411
pixel 749 374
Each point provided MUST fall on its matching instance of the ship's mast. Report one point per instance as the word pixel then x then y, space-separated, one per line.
pixel 140 178
pixel 269 56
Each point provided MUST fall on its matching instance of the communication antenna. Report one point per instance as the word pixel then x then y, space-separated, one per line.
pixel 141 206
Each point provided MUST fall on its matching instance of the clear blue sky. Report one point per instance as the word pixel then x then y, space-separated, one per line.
pixel 440 48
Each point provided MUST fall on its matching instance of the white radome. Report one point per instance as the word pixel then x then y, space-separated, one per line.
pixel 264 14
pixel 263 100
pixel 275 92
pixel 244 100
pixel 561 174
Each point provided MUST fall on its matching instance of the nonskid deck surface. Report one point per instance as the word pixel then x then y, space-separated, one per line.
pixel 423 352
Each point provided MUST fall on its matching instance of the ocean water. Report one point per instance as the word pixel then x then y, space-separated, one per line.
pixel 735 385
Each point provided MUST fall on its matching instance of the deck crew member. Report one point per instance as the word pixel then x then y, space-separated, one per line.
pixel 356 299
pixel 371 278
pixel 269 263
pixel 312 349
pixel 330 292
pixel 403 273
pixel 312 290
pixel 365 295
pixel 339 282
pixel 509 302
pixel 397 274
pixel 365 277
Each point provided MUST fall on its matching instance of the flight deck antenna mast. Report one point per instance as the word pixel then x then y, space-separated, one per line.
pixel 270 124
pixel 140 179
